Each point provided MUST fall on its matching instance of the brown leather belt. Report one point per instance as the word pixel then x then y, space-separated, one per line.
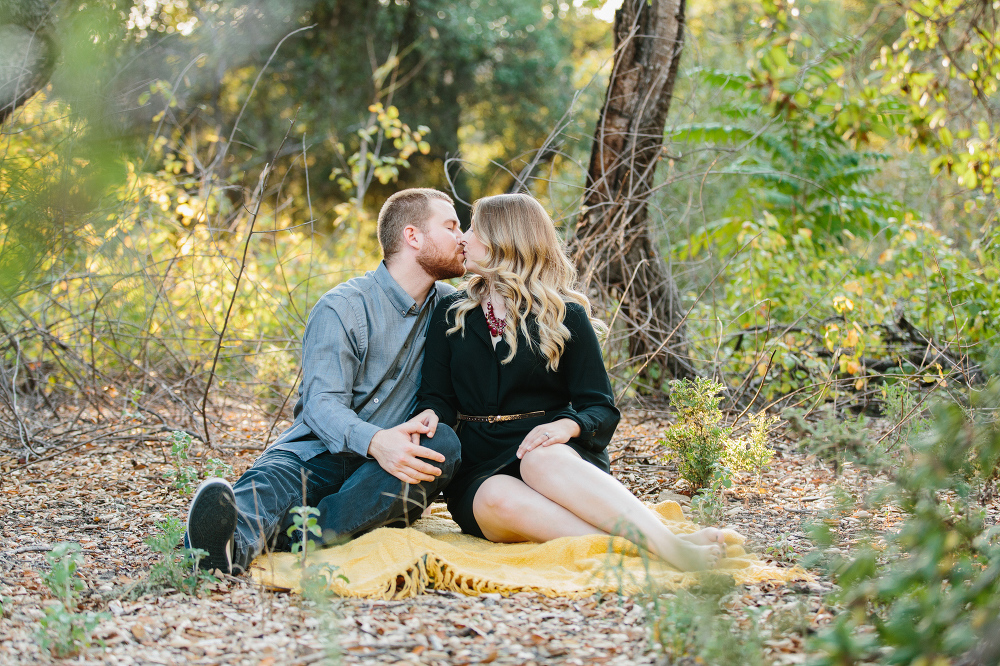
pixel 499 418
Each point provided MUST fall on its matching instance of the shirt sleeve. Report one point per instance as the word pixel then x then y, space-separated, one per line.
pixel 334 343
pixel 592 402
pixel 437 391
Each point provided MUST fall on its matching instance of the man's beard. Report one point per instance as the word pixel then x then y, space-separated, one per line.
pixel 441 265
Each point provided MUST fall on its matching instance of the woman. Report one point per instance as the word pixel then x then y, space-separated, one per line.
pixel 513 360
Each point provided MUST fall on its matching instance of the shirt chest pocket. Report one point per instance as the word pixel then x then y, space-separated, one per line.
pixel 399 392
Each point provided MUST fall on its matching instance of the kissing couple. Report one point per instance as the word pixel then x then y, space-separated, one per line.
pixel 494 395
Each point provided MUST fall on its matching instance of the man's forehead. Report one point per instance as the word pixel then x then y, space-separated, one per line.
pixel 444 209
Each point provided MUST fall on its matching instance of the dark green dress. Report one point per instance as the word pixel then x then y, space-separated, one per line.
pixel 463 373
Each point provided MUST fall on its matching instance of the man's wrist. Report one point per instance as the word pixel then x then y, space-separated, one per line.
pixel 360 438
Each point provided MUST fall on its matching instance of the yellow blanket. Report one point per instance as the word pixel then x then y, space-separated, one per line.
pixel 434 555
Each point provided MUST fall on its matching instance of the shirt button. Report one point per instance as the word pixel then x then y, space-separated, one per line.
pixel 375 401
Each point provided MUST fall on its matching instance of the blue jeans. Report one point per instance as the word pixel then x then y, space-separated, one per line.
pixel 353 494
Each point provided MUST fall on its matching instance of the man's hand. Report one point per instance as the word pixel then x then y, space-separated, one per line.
pixel 398 451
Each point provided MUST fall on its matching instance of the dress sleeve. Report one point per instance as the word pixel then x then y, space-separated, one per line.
pixel 592 402
pixel 436 389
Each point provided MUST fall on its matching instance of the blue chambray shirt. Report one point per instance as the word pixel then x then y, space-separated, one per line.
pixel 351 388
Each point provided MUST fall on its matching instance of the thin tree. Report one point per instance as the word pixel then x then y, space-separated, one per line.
pixel 613 246
pixel 27 51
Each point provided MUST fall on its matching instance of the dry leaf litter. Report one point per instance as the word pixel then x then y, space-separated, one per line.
pixel 109 497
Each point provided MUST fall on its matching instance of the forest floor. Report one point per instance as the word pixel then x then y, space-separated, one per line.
pixel 110 494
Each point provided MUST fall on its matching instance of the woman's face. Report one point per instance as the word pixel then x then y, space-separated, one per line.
pixel 475 251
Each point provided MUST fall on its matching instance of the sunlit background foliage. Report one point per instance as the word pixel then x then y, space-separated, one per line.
pixel 196 174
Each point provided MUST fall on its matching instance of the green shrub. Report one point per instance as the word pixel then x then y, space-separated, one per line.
pixel 185 476
pixel 706 450
pixel 177 569
pixel 64 631
pixel 751 452
pixel 692 627
pixel 937 594
pixel 698 437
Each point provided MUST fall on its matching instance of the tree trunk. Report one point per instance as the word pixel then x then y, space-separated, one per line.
pixel 27 52
pixel 613 248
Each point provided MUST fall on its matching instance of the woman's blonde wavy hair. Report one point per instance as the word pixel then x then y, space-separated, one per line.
pixel 528 268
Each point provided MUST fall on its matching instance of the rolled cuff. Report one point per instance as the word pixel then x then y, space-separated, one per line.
pixel 360 436
pixel 587 429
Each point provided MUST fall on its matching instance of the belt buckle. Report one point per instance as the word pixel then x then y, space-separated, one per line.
pixel 491 418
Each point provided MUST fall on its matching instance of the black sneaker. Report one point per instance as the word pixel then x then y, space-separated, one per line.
pixel 211 524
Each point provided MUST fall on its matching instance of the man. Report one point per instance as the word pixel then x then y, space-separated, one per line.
pixel 348 451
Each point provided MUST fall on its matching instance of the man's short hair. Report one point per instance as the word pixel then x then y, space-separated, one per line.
pixel 405 207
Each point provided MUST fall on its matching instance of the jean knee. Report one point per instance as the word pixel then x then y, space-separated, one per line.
pixel 445 442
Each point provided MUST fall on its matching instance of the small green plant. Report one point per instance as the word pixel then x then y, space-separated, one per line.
pixel 131 408
pixel 185 475
pixel 316 579
pixel 709 503
pixel 782 550
pixel 691 626
pixel 836 439
pixel 707 453
pixel 304 522
pixel 177 568
pixel 698 438
pixel 751 453
pixel 64 631
pixel 5 603
pixel 903 412
pixel 61 579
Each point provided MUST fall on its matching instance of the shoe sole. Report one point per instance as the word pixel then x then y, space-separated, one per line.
pixel 211 524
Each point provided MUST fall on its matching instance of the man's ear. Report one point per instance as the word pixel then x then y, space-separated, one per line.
pixel 412 236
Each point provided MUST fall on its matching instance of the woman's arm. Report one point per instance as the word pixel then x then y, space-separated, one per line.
pixel 436 391
pixel 592 403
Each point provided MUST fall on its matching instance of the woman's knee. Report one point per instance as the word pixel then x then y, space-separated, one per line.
pixel 546 459
pixel 497 500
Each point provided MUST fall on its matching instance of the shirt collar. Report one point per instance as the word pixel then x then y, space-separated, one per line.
pixel 400 300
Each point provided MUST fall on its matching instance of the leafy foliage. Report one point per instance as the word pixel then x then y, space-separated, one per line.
pixel 751 453
pixel 177 569
pixel 938 592
pixel 63 630
pixel 316 579
pixel 304 522
pixel 186 476
pixel 947 60
pixel 798 167
pixel 706 450
pixel 699 436
pixel 819 316
pixel 691 626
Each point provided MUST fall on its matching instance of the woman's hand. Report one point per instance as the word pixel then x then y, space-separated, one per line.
pixel 557 432
pixel 430 419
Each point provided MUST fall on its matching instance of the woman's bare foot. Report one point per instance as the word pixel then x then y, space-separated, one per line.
pixel 707 536
pixel 686 556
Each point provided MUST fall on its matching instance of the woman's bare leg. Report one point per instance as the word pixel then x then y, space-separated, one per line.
pixel 508 511
pixel 706 536
pixel 560 474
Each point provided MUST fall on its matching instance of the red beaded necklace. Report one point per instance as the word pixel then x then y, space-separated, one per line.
pixel 496 326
